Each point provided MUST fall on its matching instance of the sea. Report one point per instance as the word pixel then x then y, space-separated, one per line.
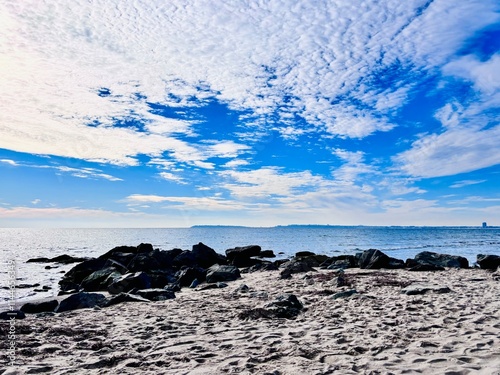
pixel 17 245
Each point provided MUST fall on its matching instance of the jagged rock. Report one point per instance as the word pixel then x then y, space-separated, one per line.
pixel 186 275
pixel 222 273
pixel 81 300
pixel 422 288
pixel 38 307
pixel 119 249
pixel 442 260
pixel 124 297
pixel 340 262
pixel 344 294
pixel 206 256
pixel 488 262
pixel 285 306
pixel 100 279
pixel 295 266
pixel 73 278
pixel 242 256
pixel 156 294
pixel 129 281
pixel 376 259
pixel 185 258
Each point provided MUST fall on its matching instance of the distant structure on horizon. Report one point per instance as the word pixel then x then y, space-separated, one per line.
pixel 485 225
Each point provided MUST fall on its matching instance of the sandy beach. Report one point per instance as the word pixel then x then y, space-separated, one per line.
pixel 378 330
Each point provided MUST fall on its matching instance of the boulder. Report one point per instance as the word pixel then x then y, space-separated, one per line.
pixel 222 273
pixel 442 260
pixel 375 259
pixel 145 262
pixel 285 306
pixel 294 266
pixel 488 262
pixel 423 288
pixel 12 314
pixel 100 279
pixel 156 294
pixel 123 297
pixel 119 249
pixel 263 266
pixel 38 307
pixel 129 281
pixel 242 256
pixel 340 261
pixel 81 300
pixel 73 278
pixel 206 256
pixel 188 274
pixel 267 254
pixel 185 258
pixel 63 259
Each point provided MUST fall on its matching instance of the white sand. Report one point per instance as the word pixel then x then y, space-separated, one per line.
pixel 378 331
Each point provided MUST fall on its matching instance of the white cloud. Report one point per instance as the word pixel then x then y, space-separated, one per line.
pixel 172 177
pixel 9 162
pixel 57 56
pixel 463 183
pixel 35 201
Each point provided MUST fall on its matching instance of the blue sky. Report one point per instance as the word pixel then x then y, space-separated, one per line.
pixel 178 113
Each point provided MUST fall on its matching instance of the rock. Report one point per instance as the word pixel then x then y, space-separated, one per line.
pixel 119 249
pixel 222 273
pixel 344 294
pixel 185 258
pixel 145 248
pixel 194 284
pixel 63 259
pixel 217 285
pixel 145 262
pixel 263 266
pixel 340 262
pixel 206 256
pixel 442 260
pixel 285 306
pixel 488 262
pixel 267 254
pixel 73 278
pixel 242 256
pixel 38 307
pixel 129 281
pixel 156 294
pixel 375 259
pixel 422 288
pixel 12 314
pixel 124 297
pixel 425 267
pixel 295 266
pixel 188 274
pixel 81 300
pixel 100 280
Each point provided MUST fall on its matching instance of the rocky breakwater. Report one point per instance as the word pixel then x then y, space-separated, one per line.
pixel 142 273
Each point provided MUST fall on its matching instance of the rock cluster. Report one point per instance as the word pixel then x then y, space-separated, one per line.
pixel 142 273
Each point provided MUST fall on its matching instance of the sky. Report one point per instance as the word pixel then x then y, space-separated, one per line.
pixel 257 113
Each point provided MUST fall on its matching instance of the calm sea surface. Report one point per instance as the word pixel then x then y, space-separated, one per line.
pixel 398 242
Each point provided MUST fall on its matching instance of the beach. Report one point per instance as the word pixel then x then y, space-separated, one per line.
pixel 377 330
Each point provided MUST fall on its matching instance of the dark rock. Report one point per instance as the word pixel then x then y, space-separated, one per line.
pixel 285 306
pixel 161 278
pixel 119 249
pixel 217 285
pixel 344 294
pixel 38 307
pixel 63 259
pixel 425 267
pixel 66 292
pixel 244 252
pixel 129 281
pixel 12 314
pixel 155 294
pixel 81 300
pixel 488 262
pixel 375 259
pixel 144 248
pixel 186 275
pixel 73 278
pixel 174 287
pixel 340 262
pixel 124 297
pixel 206 256
pixel 296 266
pixel 195 283
pixel 100 279
pixel 26 286
pixel 222 273
pixel 422 288
pixel 185 258
pixel 442 260
pixel 263 266
pixel 304 254
pixel 267 254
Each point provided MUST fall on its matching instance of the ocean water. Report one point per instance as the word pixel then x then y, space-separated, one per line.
pixel 19 245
